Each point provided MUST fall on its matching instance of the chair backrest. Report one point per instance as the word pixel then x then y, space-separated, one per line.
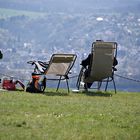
pixel 103 54
pixel 61 64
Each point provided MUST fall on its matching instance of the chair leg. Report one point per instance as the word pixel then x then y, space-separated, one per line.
pixel 86 87
pixel 78 82
pixel 58 83
pixel 106 84
pixel 79 78
pixel 114 86
pixel 99 85
pixel 67 85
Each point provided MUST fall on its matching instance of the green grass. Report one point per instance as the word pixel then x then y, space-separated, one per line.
pixel 73 116
pixel 4 13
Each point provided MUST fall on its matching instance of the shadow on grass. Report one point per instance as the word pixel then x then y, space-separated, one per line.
pixel 56 93
pixel 19 90
pixel 52 92
pixel 97 93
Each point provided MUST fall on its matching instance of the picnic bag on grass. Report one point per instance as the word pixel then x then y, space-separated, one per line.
pixel 37 85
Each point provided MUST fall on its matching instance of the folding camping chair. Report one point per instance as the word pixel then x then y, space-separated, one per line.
pixel 59 68
pixel 101 67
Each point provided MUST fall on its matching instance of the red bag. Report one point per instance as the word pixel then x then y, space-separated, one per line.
pixel 8 84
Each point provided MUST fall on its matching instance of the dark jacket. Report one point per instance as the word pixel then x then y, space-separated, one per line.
pixel 1 55
pixel 86 62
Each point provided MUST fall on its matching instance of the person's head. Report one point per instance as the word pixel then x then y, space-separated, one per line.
pixel 99 40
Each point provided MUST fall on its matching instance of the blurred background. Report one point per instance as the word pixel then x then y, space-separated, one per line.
pixel 35 29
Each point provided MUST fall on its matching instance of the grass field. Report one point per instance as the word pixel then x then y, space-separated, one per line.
pixel 73 116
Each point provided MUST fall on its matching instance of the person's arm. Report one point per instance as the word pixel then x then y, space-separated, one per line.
pixel 115 62
pixel 86 61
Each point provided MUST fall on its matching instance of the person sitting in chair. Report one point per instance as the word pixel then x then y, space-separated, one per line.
pixel 86 63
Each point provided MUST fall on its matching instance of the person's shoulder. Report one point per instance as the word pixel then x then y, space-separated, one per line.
pixel 89 55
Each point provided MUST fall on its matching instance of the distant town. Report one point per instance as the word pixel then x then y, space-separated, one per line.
pixel 24 38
